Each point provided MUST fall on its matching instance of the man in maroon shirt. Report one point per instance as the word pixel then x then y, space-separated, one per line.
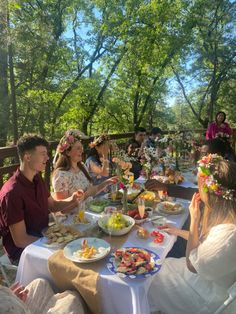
pixel 25 200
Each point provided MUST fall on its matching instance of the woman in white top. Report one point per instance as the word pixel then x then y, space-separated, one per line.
pixel 70 173
pixel 199 282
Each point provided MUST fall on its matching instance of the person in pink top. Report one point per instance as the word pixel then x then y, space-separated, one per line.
pixel 219 128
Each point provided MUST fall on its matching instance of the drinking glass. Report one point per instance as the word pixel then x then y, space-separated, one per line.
pixel 114 189
pixel 81 208
pixel 141 207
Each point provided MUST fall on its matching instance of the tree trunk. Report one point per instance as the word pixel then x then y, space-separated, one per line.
pixel 4 101
pixel 13 87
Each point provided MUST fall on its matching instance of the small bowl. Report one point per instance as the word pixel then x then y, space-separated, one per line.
pixel 160 222
pixel 110 209
pixel 149 211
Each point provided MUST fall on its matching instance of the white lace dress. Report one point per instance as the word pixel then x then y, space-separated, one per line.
pixel 176 290
pixel 69 181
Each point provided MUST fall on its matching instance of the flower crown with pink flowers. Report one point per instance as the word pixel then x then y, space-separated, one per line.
pixel 69 139
pixel 207 169
pixel 99 140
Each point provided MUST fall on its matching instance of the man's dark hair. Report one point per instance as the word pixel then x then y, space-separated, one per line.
pixel 28 143
pixel 156 131
pixel 139 129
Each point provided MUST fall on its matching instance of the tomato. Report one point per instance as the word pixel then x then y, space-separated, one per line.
pixel 159 237
pixel 158 240
pixel 132 212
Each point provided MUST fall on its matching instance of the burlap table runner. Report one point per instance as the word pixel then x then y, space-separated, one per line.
pixel 82 277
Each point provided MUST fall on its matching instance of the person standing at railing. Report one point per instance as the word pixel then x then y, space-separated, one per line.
pixel 219 128
pixel 25 202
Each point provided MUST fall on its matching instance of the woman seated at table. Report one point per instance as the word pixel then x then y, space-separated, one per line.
pixel 200 281
pixel 98 163
pixel 37 298
pixel 70 174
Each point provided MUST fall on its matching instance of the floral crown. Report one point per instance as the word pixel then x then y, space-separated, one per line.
pixel 69 139
pixel 207 170
pixel 102 138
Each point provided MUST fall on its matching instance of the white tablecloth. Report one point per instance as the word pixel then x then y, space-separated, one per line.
pixel 118 296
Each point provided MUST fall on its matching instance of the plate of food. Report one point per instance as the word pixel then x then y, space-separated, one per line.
pixel 170 208
pixel 116 224
pixel 134 262
pixel 98 205
pixel 56 236
pixel 86 250
pixel 148 196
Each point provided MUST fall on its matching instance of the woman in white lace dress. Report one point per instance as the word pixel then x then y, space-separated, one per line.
pixel 199 282
pixel 70 173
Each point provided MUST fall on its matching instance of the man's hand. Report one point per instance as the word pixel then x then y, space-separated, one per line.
pixel 154 185
pixel 19 291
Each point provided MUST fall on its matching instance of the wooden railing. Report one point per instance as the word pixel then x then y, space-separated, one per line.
pixel 8 167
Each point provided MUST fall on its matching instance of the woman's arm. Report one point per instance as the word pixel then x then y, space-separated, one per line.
pixel 176 231
pixel 65 205
pixel 102 170
pixel 193 239
pixel 95 189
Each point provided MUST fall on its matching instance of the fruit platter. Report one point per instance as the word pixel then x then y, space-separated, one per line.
pixel 133 262
pixel 116 224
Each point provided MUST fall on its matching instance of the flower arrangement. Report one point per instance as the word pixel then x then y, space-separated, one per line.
pixel 207 170
pixel 149 160
pixel 123 166
pixel 69 139
pixel 99 140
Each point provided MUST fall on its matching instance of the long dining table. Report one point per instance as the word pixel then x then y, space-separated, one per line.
pixel 117 295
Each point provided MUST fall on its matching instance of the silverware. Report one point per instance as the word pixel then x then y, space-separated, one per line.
pixel 154 218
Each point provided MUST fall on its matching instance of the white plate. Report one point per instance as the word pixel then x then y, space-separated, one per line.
pixel 161 209
pixel 102 222
pixel 75 245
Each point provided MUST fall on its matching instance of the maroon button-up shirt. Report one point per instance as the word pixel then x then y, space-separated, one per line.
pixel 21 199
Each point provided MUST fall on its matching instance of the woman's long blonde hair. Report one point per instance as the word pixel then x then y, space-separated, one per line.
pixel 218 209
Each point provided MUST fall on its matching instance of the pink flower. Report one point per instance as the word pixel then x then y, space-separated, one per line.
pixel 122 186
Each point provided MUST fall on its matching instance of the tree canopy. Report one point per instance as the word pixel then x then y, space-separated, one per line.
pixel 113 65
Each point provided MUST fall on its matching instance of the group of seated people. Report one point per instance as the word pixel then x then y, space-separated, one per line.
pixel 195 282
